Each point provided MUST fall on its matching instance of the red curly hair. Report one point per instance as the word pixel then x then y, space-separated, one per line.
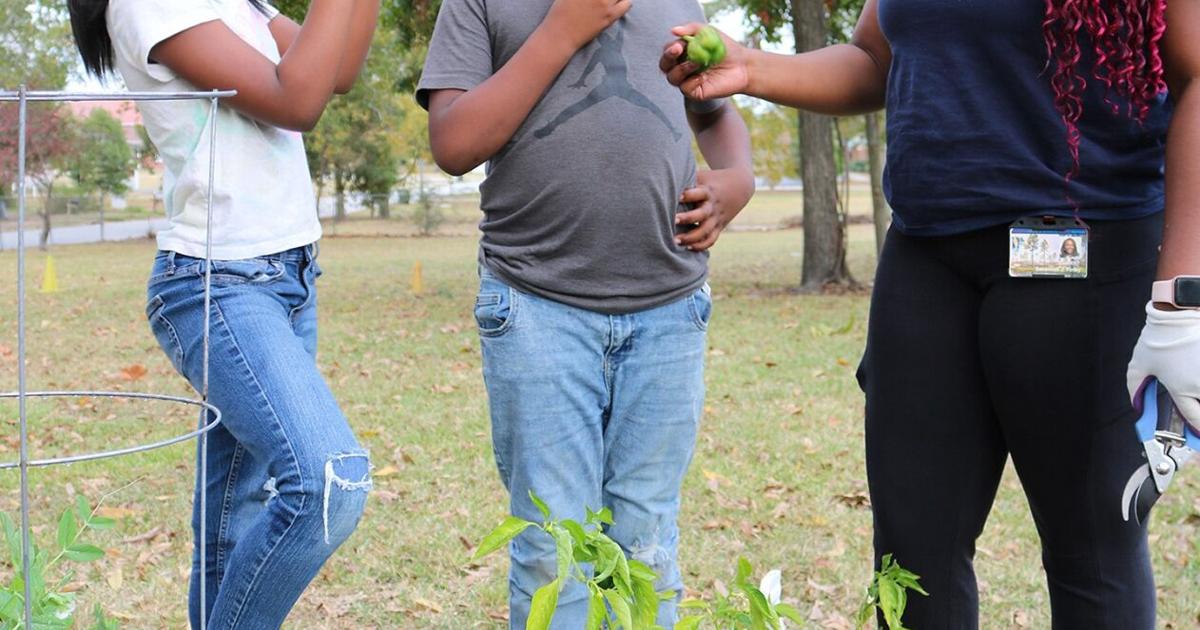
pixel 1125 36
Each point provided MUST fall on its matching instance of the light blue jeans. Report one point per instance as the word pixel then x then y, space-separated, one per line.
pixel 287 480
pixel 592 410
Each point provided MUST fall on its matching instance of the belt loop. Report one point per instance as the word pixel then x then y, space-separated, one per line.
pixel 170 263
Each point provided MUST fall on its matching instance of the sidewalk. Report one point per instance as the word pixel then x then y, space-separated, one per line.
pixel 123 230
pixel 77 234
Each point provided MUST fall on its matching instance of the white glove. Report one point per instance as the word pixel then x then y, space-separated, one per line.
pixel 1169 350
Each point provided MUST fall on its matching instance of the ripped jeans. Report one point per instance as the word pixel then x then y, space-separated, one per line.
pixel 591 410
pixel 287 480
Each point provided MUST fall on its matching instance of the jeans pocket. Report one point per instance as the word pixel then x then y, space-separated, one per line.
pixel 495 308
pixel 247 271
pixel 164 332
pixel 701 306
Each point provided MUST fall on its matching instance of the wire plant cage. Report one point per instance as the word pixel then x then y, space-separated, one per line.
pixel 209 415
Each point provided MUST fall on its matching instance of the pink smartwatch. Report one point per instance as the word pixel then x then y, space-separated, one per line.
pixel 1180 292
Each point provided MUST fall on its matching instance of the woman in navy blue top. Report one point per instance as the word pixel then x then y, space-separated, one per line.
pixel 1015 126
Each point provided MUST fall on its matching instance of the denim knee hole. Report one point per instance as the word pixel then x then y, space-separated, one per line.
pixel 347 473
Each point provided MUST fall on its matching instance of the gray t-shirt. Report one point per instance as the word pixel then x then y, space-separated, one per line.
pixel 579 206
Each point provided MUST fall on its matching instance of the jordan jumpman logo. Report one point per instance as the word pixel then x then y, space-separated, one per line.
pixel 615 84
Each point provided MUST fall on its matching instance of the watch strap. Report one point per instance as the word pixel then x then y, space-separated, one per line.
pixel 1163 292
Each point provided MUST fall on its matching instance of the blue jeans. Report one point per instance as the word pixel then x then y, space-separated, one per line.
pixel 287 480
pixel 592 410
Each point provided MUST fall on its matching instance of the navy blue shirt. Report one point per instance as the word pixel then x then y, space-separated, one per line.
pixel 974 138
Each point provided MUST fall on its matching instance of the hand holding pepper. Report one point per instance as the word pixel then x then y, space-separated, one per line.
pixel 578 22
pixel 704 63
pixel 705 48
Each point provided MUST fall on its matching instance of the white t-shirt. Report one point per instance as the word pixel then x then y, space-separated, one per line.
pixel 262 195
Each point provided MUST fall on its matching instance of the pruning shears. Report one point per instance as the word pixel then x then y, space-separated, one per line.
pixel 1168 441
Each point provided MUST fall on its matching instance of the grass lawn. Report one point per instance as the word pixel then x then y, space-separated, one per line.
pixel 778 475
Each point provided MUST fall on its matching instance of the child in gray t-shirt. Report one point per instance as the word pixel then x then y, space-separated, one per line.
pixel 593 302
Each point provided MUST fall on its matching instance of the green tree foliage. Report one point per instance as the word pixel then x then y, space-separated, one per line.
pixel 773 138
pixel 47 130
pixel 410 21
pixel 370 139
pixel 101 160
pixel 35 51
pixel 813 24
pixel 35 44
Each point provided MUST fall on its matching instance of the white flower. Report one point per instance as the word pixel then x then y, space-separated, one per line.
pixel 772 587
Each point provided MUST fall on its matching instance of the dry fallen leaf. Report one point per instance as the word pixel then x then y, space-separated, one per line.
pixel 115 578
pixel 386 471
pixel 110 511
pixel 428 605
pixel 133 372
pixel 854 500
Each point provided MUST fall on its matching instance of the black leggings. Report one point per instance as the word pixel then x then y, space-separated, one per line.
pixel 965 366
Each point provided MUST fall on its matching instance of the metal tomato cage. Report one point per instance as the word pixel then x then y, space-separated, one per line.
pixel 210 416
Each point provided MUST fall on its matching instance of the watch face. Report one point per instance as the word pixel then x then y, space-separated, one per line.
pixel 1187 292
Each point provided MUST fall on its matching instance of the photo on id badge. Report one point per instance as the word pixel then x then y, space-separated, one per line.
pixel 1048 247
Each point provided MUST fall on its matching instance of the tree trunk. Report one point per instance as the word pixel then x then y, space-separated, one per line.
pixel 44 243
pixel 824 234
pixel 882 213
pixel 339 183
pixel 320 193
pixel 102 201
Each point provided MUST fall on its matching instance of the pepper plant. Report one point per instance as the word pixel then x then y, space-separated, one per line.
pixel 746 608
pixel 888 594
pixel 621 590
pixel 54 607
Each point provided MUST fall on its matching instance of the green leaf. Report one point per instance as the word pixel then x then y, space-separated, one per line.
pixel 541 610
pixel 66 529
pixel 82 509
pixel 608 555
pixel 100 622
pixel 640 570
pixel 563 548
pixel 621 577
pixel 577 531
pixel 645 602
pixel 13 538
pixel 890 602
pixel 596 611
pixel 11 607
pixel 864 614
pixel 603 517
pixel 540 505
pixel 788 612
pixel 101 523
pixel 56 605
pixel 37 575
pixel 693 604
pixel 83 553
pixel 762 616
pixel 689 623
pixel 501 536
pixel 909 580
pixel 620 609
pixel 743 572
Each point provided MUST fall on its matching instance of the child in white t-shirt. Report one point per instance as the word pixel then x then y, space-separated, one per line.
pixel 287 479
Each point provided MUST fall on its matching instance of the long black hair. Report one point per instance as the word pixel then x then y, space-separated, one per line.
pixel 89 25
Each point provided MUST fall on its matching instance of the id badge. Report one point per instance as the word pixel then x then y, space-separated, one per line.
pixel 1048 247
